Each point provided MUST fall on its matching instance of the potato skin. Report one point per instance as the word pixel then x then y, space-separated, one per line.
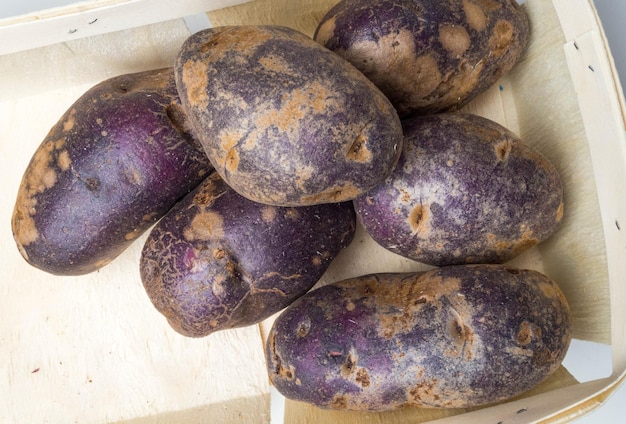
pixel 218 260
pixel 466 190
pixel 285 121
pixel 112 165
pixel 452 337
pixel 428 56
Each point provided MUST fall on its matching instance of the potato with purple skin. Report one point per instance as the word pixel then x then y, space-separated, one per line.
pixel 114 163
pixel 218 260
pixel 453 337
pixel 466 190
pixel 428 56
pixel 285 121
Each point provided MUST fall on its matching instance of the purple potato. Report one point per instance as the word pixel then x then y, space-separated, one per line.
pixel 285 121
pixel 466 190
pixel 114 163
pixel 453 337
pixel 218 260
pixel 428 56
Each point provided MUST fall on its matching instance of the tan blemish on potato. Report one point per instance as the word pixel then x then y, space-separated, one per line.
pixel 362 377
pixel 314 99
pixel 277 65
pixel 133 175
pixel 49 178
pixel 39 177
pixel 194 78
pixel 206 225
pixel 303 174
pixel 358 151
pixel 548 289
pixel 229 140
pixel 545 356
pixel 454 38
pixel 527 333
pixel 217 286
pixel 518 351
pixel 69 123
pixel 391 64
pixel 339 193
pixel 455 86
pixel 511 247
pixel 501 38
pixel 239 40
pixel 503 149
pixel 418 218
pixel 292 214
pixel 273 274
pixel 268 214
pixel 423 393
pixel 350 306
pixel 398 303
pixel 231 162
pixel 326 30
pixel 149 217
pixel 348 367
pixel 461 335
pixel 339 402
pixel 278 368
pixel 474 15
pixel 133 234
pixel 64 161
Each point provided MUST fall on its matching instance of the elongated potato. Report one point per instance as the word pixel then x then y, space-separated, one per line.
pixel 466 190
pixel 453 337
pixel 112 165
pixel 428 56
pixel 285 121
pixel 218 260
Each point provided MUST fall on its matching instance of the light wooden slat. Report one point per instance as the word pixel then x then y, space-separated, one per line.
pixel 94 17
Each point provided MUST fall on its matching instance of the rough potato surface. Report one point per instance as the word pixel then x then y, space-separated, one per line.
pixel 285 121
pixel 218 260
pixel 112 165
pixel 428 56
pixel 453 337
pixel 466 190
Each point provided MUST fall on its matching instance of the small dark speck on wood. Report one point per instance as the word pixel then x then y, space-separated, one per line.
pixel 617 225
pixel 522 410
pixel 35 370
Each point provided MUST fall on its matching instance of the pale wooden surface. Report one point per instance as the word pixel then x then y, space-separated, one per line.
pixel 92 348
pixel 86 18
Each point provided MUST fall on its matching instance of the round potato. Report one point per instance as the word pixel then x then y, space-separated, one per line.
pixel 285 121
pixel 114 163
pixel 454 337
pixel 466 190
pixel 428 56
pixel 218 260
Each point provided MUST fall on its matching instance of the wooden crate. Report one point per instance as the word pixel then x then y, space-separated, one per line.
pixel 93 349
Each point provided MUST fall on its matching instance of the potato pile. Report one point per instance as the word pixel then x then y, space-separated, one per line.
pixel 256 155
